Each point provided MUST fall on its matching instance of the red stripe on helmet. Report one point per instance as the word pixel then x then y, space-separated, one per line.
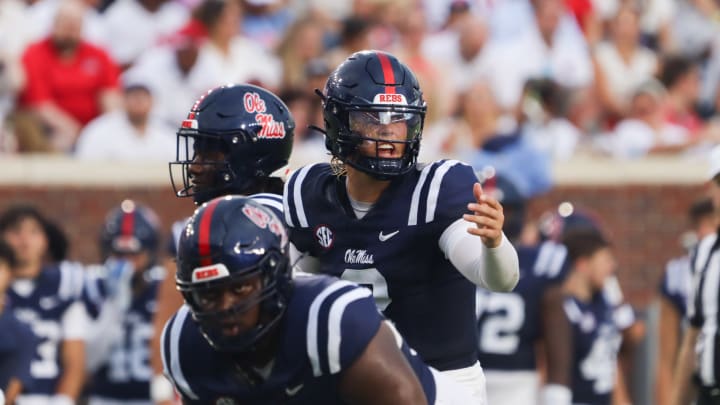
pixel 128 224
pixel 388 74
pixel 204 234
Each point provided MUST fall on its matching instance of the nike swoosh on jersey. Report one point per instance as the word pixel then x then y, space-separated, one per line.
pixel 383 238
pixel 294 390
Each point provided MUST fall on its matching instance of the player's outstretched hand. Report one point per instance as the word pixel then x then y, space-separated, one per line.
pixel 487 216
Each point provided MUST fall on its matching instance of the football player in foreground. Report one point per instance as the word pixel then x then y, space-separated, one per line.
pixel 250 334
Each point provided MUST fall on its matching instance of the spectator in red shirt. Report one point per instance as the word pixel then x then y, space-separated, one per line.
pixel 69 81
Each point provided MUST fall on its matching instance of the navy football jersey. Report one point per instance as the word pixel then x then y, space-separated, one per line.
pixel 127 373
pixel 394 250
pixel 596 341
pixel 55 289
pixel 327 326
pixel 18 345
pixel 509 324
pixel 676 283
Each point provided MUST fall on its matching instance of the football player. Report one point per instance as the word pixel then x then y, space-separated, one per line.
pixel 596 336
pixel 236 139
pixel 556 226
pixel 17 342
pixel 47 297
pixel 513 326
pixel 251 334
pixel 420 236
pixel 124 292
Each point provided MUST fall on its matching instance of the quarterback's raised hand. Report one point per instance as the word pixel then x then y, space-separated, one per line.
pixel 487 216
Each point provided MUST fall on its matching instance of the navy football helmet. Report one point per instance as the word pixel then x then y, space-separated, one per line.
pixel 373 89
pixel 130 228
pixel 566 219
pixel 241 133
pixel 513 202
pixel 229 242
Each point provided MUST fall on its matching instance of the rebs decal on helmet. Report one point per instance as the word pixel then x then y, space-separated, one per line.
pixel 207 273
pixel 389 98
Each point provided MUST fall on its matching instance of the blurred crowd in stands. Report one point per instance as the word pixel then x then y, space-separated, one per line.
pixel 506 81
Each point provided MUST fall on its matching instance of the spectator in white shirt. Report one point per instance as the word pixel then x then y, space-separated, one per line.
pixel 646 131
pixel 151 21
pixel 553 48
pixel 236 59
pixel 129 134
pixel 178 73
pixel 622 63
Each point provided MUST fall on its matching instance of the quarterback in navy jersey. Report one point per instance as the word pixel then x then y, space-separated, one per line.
pixel 237 139
pixel 420 236
pixel 250 334
pixel 123 292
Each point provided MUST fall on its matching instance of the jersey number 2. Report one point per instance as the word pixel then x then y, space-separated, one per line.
pixel 504 316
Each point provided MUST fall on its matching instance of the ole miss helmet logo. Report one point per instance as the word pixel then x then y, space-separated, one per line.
pixel 254 104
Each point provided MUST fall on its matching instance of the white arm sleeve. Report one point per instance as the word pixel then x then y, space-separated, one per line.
pixel 104 333
pixel 75 322
pixel 496 269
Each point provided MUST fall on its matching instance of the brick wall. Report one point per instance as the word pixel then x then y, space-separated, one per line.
pixel 644 223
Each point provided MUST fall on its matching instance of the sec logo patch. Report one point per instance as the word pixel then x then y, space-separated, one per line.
pixel 324 236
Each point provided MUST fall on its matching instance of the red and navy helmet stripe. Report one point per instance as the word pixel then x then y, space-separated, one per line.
pixel 388 73
pixel 204 233
pixel 127 226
